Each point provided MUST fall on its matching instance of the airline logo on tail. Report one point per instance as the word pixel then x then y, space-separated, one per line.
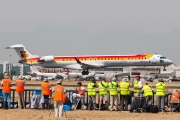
pixel 23 54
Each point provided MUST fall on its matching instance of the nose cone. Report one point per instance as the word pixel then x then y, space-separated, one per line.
pixel 169 62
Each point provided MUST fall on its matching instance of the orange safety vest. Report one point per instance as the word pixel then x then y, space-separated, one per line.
pixel 175 97
pixel 6 85
pixel 19 85
pixel 45 88
pixel 59 93
pixel 81 92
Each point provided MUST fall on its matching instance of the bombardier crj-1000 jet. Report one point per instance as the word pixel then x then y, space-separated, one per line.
pixel 87 62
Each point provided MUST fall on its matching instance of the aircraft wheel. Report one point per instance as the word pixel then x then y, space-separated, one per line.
pixel 83 72
pixel 87 72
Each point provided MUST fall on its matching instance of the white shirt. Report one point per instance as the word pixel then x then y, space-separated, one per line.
pixel 140 84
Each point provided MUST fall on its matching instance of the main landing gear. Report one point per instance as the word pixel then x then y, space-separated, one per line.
pixel 85 72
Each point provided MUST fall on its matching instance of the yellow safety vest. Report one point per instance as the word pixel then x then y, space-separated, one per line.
pixel 160 89
pixel 103 88
pixel 124 88
pixel 113 88
pixel 91 89
pixel 147 90
pixel 136 85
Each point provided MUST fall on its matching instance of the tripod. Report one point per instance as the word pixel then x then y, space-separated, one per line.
pixel 52 107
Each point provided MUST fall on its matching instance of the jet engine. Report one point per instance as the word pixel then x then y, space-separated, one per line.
pixel 47 59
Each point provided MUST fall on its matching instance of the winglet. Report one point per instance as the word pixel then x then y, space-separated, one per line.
pixel 78 61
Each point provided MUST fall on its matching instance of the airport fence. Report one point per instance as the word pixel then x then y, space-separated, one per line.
pixel 28 94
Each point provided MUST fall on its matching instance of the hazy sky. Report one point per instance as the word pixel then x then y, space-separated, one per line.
pixel 81 27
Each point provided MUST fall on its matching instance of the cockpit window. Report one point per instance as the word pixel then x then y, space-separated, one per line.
pixel 163 57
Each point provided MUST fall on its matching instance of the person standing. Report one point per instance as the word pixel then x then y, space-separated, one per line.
pixel 59 99
pixel 45 86
pixel 113 85
pixel 92 94
pixel 124 94
pixel 6 90
pixel 160 94
pixel 20 83
pixel 148 93
pixel 137 85
pixel 103 92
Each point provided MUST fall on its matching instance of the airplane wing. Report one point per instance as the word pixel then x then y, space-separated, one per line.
pixel 87 66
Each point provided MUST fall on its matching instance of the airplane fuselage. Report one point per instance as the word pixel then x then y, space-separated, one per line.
pixel 101 61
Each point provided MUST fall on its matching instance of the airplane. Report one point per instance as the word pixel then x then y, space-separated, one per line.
pixel 35 72
pixel 87 62
pixel 65 74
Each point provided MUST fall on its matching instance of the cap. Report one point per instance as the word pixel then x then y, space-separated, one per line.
pixel 113 79
pixel 45 79
pixel 20 77
pixel 138 77
pixel 175 90
pixel 79 83
pixel 59 81
pixel 6 76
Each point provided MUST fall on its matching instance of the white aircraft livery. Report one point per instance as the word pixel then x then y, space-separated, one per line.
pixel 46 75
pixel 86 62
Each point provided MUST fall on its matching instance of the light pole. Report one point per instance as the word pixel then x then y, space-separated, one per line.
pixel 10 68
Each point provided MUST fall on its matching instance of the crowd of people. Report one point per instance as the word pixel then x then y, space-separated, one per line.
pixel 58 90
pixel 105 88
pixel 111 88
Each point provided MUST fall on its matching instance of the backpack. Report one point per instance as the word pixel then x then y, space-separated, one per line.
pixel 67 101
pixel 154 109
pixel 138 104
pixel 104 107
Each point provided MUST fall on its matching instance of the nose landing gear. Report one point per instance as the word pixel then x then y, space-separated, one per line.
pixel 164 68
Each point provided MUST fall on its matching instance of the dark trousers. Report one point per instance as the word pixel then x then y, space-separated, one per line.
pixel 46 102
pixel 124 102
pixel 92 102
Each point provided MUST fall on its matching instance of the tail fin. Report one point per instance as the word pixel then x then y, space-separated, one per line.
pixel 21 51
pixel 34 70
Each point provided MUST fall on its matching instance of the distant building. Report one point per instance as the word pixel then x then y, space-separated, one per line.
pixel 5 66
pixel 1 68
pixel 26 69
pixel 16 69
